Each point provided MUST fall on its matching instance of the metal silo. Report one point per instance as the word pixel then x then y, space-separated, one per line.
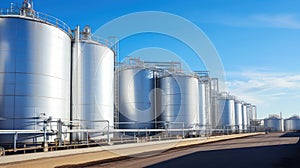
pixel 204 102
pixel 136 98
pixel 92 83
pixel 203 117
pixel 214 106
pixel 245 117
pixel 254 112
pixel 180 104
pixel 292 124
pixel 214 115
pixel 274 124
pixel 227 110
pixel 249 114
pixel 35 60
pixel 238 116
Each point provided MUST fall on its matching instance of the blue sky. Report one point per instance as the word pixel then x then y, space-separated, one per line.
pixel 257 40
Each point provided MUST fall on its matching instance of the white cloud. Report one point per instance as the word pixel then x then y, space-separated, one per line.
pixel 287 21
pixel 266 88
pixel 279 20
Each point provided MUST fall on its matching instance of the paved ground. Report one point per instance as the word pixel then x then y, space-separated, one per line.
pixel 103 153
pixel 270 150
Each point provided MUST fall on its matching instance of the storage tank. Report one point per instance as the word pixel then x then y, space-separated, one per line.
pixel 35 51
pixel 238 116
pixel 274 124
pixel 227 116
pixel 136 98
pixel 249 114
pixel 203 116
pixel 214 113
pixel 245 117
pixel 180 100
pixel 254 112
pixel 292 124
pixel 204 103
pixel 92 83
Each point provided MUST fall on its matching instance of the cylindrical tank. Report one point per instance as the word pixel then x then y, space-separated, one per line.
pixel 136 98
pixel 254 112
pixel 274 124
pixel 238 116
pixel 249 114
pixel 292 124
pixel 227 116
pixel 180 104
pixel 92 83
pixel 35 69
pixel 245 117
pixel 203 117
pixel 214 113
pixel 208 104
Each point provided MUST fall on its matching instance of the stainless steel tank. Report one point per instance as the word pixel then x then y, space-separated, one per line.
pixel 254 108
pixel 227 109
pixel 34 74
pixel 252 112
pixel 245 117
pixel 238 116
pixel 292 124
pixel 204 103
pixel 249 114
pixel 92 83
pixel 136 98
pixel 203 116
pixel 214 113
pixel 180 104
pixel 274 124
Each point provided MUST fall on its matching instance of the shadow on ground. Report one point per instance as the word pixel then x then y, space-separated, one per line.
pixel 279 156
pixel 291 134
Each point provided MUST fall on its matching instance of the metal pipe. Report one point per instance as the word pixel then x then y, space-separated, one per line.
pixel 15 141
pixel 108 138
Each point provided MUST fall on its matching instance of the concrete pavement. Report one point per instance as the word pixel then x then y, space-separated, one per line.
pixel 80 156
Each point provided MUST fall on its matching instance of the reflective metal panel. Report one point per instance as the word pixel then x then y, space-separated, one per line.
pixel 227 119
pixel 292 124
pixel 214 113
pixel 238 116
pixel 274 124
pixel 245 117
pixel 249 113
pixel 34 74
pixel 92 85
pixel 136 98
pixel 202 106
pixel 180 100
pixel 252 112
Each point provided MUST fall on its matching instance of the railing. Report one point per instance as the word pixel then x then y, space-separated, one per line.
pixel 103 41
pixel 37 16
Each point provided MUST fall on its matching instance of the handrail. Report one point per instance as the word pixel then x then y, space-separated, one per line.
pixel 37 16
pixel 102 40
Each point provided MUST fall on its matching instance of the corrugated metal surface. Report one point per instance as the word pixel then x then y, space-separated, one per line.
pixel 274 124
pixel 292 124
